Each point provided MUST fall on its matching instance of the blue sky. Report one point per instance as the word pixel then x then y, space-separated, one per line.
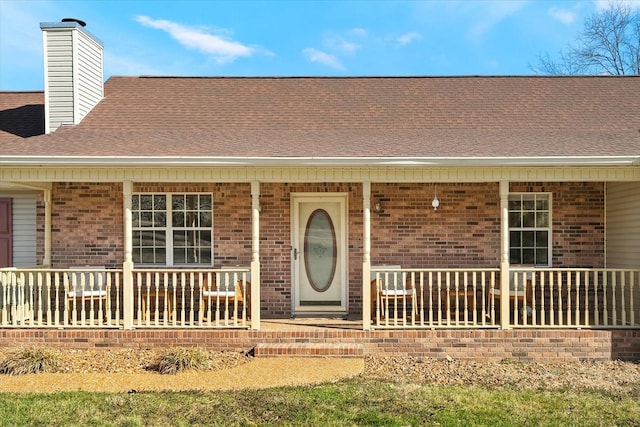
pixel 297 37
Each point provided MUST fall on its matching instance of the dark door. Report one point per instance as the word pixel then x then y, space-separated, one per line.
pixel 6 240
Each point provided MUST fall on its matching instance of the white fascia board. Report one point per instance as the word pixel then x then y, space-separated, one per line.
pixel 318 161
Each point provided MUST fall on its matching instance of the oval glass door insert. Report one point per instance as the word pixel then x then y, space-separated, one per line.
pixel 320 250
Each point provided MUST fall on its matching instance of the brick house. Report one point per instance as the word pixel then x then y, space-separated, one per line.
pixel 414 206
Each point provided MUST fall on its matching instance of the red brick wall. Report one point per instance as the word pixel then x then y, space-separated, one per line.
pixel 463 232
pixel 87 224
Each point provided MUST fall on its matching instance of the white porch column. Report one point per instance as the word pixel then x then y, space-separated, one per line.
pixel 127 266
pixel 255 255
pixel 46 261
pixel 504 255
pixel 366 255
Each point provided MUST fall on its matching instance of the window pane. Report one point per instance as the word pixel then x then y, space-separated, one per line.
pixel 135 202
pixel 528 239
pixel 161 256
pixel 514 203
pixel 514 219
pixel 205 202
pixel 528 256
pixel 192 219
pixel 542 203
pixel 542 256
pixel 542 239
pixel 179 256
pixel 205 219
pixel 528 203
pixel 160 239
pixel 146 238
pixel 179 238
pixel 160 203
pixel 205 256
pixel 528 219
pixel 146 219
pixel 160 219
pixel 514 239
pixel 135 219
pixel 146 202
pixel 136 240
pixel 542 219
pixel 205 239
pixel 514 256
pixel 192 201
pixel 177 202
pixel 147 256
pixel 178 218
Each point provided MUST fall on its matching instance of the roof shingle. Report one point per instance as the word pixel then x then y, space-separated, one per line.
pixel 354 117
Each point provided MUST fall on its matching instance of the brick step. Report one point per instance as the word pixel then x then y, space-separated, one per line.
pixel 299 349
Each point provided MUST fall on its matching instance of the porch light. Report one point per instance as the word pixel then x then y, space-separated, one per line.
pixel 377 208
pixel 435 202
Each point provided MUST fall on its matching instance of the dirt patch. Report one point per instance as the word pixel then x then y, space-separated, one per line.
pixel 610 376
pixel 132 370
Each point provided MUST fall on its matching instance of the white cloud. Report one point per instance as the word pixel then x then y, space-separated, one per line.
pixel 407 38
pixel 562 15
pixel 341 44
pixel 221 48
pixel 315 55
pixel 490 14
pixel 359 32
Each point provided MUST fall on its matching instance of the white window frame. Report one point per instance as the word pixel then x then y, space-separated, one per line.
pixel 549 227
pixel 169 229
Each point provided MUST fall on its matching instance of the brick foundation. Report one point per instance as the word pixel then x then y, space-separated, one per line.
pixel 481 345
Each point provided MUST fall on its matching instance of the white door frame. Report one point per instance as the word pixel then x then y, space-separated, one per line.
pixel 341 242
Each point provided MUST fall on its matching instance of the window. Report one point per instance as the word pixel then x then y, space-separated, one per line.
pixel 530 229
pixel 172 229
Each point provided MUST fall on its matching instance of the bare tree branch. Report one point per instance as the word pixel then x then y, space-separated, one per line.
pixel 609 44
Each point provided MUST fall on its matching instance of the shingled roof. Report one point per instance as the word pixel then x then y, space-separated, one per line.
pixel 353 117
pixel 21 115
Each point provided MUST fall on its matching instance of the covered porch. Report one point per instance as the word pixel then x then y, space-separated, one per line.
pixel 405 264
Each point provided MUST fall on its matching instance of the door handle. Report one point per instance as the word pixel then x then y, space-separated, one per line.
pixel 295 253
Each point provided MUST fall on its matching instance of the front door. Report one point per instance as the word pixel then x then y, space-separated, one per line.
pixel 319 255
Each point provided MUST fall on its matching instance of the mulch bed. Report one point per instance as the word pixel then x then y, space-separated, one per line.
pixel 610 376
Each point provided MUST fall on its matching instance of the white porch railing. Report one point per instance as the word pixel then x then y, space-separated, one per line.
pixel 432 298
pixel 207 298
pixel 577 298
pixel 538 298
pixel 94 297
pixel 40 297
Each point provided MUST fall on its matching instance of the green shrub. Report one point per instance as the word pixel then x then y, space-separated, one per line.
pixel 30 360
pixel 183 358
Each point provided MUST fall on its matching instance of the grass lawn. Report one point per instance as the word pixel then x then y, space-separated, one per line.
pixel 348 403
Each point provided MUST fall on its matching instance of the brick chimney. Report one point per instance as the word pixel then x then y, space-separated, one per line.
pixel 73 72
